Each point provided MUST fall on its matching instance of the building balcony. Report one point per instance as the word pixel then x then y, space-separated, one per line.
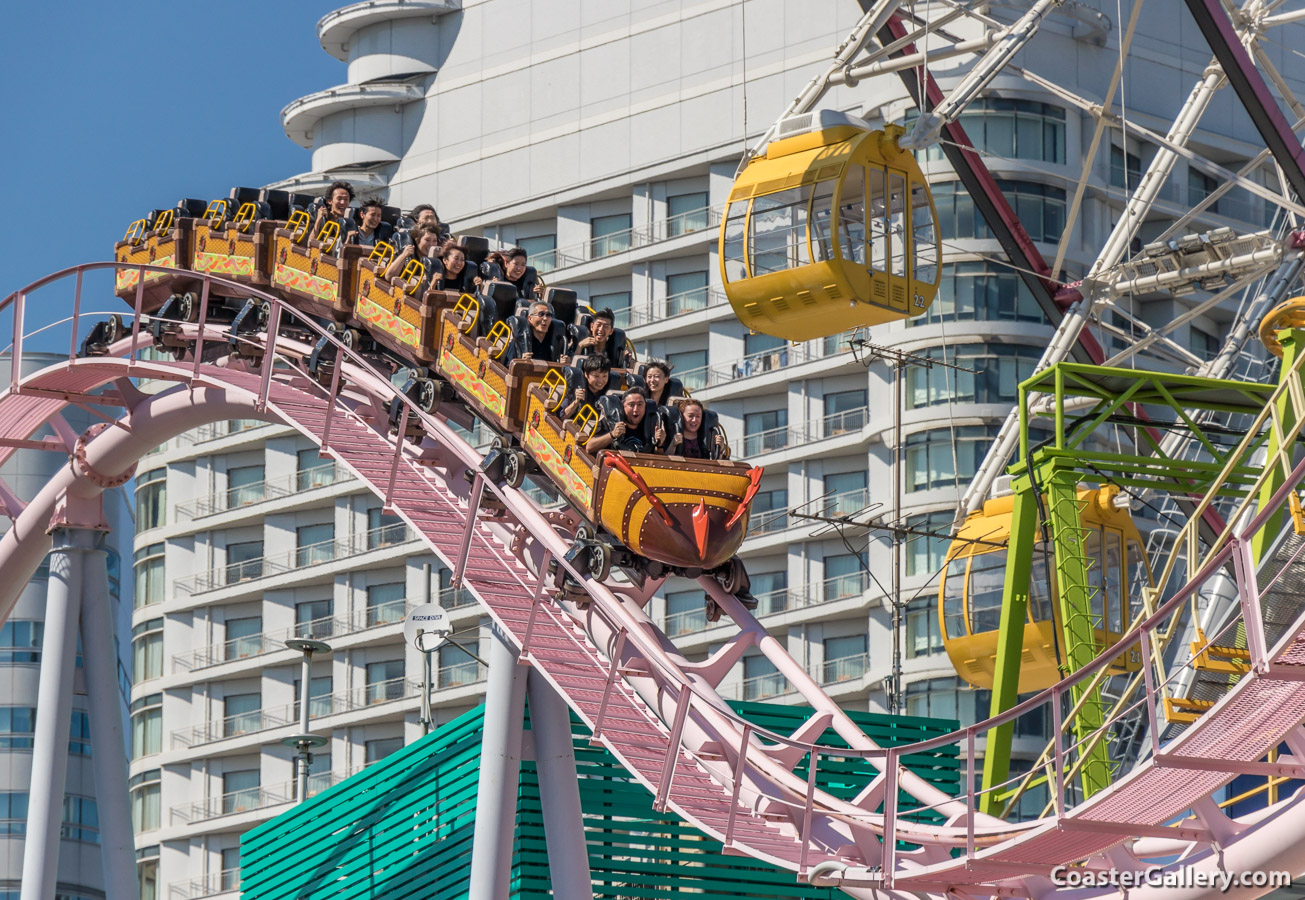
pixel 461 675
pixel 301 116
pixel 212 885
pixel 720 379
pixel 668 236
pixel 307 556
pixel 763 687
pixel 674 313
pixel 245 495
pixel 336 29
pixel 842 424
pixel 255 645
pixel 256 721
pixel 694 620
pixel 251 799
pixel 844 669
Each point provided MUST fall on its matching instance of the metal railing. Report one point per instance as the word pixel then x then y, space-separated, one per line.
pixel 672 305
pixel 215 430
pixel 691 222
pixel 833 425
pixel 251 799
pixel 689 621
pixel 459 674
pixel 760 687
pixel 298 558
pixel 714 374
pixel 226 881
pixel 846 668
pixel 262 491
pixel 266 719
pixel 249 646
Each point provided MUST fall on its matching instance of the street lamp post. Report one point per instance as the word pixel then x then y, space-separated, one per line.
pixel 304 743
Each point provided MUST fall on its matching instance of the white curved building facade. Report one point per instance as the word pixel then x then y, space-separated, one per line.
pixel 603 138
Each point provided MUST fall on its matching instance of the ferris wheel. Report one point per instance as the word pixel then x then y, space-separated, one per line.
pixel 1165 669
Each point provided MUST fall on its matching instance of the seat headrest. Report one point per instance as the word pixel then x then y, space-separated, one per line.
pixel 477 248
pixel 563 302
pixel 245 195
pixel 278 202
pixel 302 201
pixel 190 208
pixel 503 296
pixel 391 215
pixel 489 270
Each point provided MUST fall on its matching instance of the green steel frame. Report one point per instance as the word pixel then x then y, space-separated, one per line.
pixel 402 828
pixel 1082 399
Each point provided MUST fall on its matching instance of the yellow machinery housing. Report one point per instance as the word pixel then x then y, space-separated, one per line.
pixel 832 228
pixel 970 596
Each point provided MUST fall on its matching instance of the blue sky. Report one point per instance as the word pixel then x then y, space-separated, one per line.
pixel 112 109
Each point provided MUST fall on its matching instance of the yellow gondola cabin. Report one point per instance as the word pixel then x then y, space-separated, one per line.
pixel 831 228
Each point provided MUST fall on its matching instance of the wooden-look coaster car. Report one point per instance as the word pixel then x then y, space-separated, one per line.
pixel 831 228
pixel 162 241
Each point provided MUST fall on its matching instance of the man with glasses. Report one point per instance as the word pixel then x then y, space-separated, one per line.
pixel 541 338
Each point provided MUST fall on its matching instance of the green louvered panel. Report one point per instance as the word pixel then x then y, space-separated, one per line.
pixel 402 828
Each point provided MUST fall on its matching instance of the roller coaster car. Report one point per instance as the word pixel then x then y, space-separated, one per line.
pixel 164 241
pixel 970 596
pixel 797 258
pixel 308 268
pixel 237 247
pixel 690 514
pixel 395 313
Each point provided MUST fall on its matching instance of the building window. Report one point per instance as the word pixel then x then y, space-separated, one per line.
pixel 314 544
pixel 79 736
pixel 1203 344
pixel 845 658
pixel 998 370
pixel 541 252
pixel 845 576
pixel 17 727
pixel 385 603
pixel 690 367
pixel 313 471
pixel 978 291
pixel 1200 186
pixel 244 637
pixel 846 494
pixel 845 412
pixel 685 613
pixel 242 714
pixel 765 431
pixel 147 726
pixel 151 499
pixel 385 681
pixel 938 698
pixel 13 812
pixel 113 567
pixel 448 596
pixel 925 555
pixel 240 792
pixel 147 651
pixel 761 679
pixel 769 511
pixel 686 292
pixel 244 486
pixel 457 667
pixel 374 751
pixel 320 701
pixel 244 561
pixel 148 873
pixel 313 619
pixel 771 591
pixel 1015 129
pixel 618 302
pixel 20 642
pixel 384 529
pixel 1124 174
pixel 1040 208
pixel 945 457
pixel 81 819
pixel 611 234
pixel 230 875
pixel 146 801
pixel 923 634
pixel 149 576
pixel 686 213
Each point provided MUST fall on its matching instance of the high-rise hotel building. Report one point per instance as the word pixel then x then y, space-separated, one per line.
pixel 603 139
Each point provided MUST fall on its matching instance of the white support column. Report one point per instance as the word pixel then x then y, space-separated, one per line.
pixel 500 772
pixel 53 723
pixel 559 792
pixel 108 741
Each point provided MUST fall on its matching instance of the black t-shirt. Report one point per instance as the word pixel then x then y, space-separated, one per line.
pixel 637 438
pixel 694 448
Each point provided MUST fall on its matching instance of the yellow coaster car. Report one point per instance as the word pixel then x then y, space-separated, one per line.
pixel 164 242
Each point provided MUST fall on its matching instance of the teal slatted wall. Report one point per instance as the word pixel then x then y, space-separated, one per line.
pixel 401 829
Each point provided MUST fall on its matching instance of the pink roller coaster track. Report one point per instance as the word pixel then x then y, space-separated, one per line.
pixel 657 712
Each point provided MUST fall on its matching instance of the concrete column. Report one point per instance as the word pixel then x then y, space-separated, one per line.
pixel 108 742
pixel 54 717
pixel 559 792
pixel 500 772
